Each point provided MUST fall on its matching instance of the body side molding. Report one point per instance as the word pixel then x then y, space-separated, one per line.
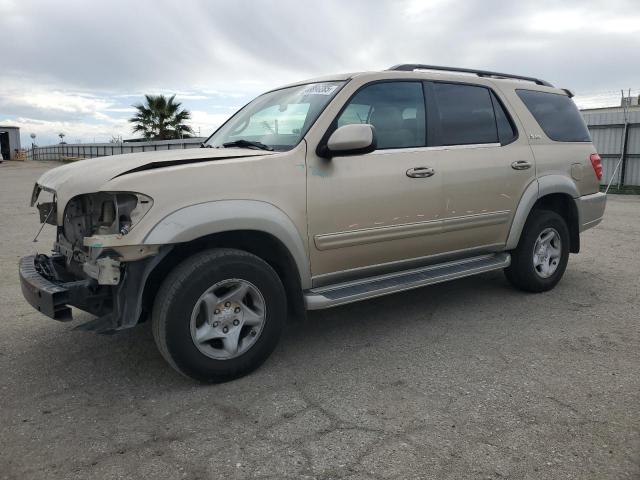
pixel 195 221
pixel 369 235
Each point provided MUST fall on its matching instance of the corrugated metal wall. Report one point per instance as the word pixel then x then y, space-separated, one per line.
pixel 14 140
pixel 607 128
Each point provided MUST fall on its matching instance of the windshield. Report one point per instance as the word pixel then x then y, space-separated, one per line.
pixel 277 120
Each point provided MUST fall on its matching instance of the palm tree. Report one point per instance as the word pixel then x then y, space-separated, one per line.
pixel 161 118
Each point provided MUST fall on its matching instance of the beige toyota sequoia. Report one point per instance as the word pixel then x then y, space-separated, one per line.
pixel 317 194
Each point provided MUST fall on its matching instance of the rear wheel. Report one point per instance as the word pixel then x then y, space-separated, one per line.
pixel 219 315
pixel 540 259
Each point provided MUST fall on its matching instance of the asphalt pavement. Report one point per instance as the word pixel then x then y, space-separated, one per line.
pixel 469 379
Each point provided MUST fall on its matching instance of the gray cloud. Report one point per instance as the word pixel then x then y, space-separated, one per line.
pixel 241 47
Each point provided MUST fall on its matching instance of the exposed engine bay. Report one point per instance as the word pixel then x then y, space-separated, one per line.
pixel 90 215
pixel 103 214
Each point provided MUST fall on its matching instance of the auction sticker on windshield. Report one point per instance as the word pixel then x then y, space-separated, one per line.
pixel 319 89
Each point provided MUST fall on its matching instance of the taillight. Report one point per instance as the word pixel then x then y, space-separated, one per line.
pixel 596 163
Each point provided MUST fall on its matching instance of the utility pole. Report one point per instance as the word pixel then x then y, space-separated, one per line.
pixel 33 146
pixel 625 138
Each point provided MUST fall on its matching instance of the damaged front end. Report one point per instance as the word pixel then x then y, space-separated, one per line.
pixel 91 268
pixel 50 289
pixel 89 222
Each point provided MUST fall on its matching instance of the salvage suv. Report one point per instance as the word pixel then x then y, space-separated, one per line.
pixel 318 194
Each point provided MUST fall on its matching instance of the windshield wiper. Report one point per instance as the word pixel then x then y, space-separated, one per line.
pixel 247 144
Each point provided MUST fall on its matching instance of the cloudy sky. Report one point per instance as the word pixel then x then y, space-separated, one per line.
pixel 77 66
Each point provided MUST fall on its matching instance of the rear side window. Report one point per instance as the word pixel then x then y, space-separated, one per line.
pixel 557 115
pixel 466 115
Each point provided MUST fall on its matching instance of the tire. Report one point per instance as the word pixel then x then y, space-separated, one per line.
pixel 534 272
pixel 183 310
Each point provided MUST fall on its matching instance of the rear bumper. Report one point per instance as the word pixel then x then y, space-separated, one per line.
pixel 591 209
pixel 54 297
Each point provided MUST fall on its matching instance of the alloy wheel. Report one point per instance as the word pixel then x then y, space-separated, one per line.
pixel 228 319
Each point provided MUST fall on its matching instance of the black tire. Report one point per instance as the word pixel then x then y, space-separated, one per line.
pixel 522 273
pixel 179 294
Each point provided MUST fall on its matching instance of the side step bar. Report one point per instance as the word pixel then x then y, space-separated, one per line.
pixel 354 291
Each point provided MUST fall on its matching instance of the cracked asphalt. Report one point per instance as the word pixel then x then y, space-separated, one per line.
pixel 469 379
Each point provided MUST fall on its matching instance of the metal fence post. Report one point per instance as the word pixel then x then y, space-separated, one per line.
pixel 625 144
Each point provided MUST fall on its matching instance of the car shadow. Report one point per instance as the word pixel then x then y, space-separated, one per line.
pixel 130 359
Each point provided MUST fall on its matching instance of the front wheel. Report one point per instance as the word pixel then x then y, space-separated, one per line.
pixel 219 315
pixel 542 254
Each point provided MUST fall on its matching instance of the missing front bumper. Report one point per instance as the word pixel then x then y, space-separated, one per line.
pixel 46 286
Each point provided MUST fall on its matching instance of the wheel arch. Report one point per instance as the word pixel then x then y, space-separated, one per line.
pixel 551 192
pixel 262 244
pixel 257 227
pixel 204 219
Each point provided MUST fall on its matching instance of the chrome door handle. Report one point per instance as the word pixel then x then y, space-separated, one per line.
pixel 521 165
pixel 421 172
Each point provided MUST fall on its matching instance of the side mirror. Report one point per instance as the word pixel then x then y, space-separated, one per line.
pixel 350 140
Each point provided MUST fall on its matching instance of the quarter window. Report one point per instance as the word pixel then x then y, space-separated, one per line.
pixel 395 109
pixel 557 115
pixel 465 114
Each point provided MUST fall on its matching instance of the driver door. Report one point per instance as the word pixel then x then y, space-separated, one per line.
pixel 367 213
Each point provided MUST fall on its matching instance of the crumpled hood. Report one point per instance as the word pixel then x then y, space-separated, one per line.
pixel 88 176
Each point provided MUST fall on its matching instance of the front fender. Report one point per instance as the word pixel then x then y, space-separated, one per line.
pixel 195 221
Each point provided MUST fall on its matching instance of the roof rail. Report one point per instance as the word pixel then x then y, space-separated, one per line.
pixel 409 67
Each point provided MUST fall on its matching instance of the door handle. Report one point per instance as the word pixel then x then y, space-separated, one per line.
pixel 521 165
pixel 421 172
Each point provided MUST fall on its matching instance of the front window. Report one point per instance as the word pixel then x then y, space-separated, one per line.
pixel 395 109
pixel 276 120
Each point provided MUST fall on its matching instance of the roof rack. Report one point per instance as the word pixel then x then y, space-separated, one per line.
pixel 409 67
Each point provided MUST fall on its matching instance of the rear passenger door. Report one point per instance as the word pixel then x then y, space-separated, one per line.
pixel 485 164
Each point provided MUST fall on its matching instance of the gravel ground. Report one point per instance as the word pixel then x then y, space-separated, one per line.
pixel 469 379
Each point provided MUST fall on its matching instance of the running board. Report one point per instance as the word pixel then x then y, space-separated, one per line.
pixel 354 291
